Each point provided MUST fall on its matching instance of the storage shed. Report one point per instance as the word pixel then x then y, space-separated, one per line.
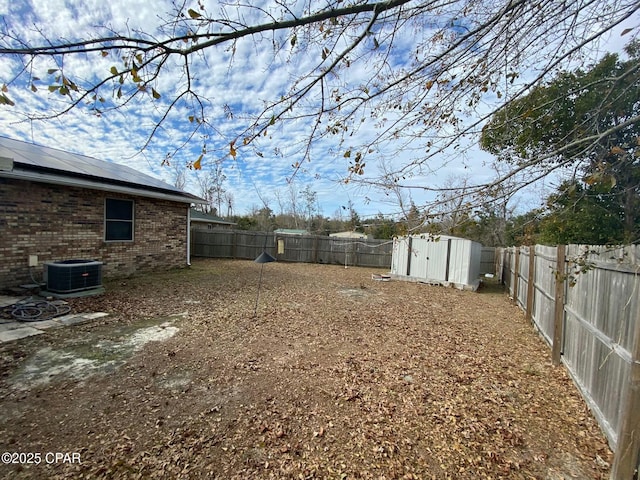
pixel 437 259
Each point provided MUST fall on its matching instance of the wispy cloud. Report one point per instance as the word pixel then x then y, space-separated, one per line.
pixel 232 84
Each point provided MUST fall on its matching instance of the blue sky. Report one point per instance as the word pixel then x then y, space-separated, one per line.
pixel 239 83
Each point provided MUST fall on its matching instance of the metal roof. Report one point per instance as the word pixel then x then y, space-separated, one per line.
pixel 291 231
pixel 198 216
pixel 349 234
pixel 45 162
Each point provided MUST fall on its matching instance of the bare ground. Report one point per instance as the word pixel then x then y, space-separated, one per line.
pixel 338 376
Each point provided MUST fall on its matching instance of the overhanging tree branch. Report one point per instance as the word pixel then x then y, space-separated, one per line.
pixel 435 69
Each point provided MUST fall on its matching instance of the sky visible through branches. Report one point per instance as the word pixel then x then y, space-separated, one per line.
pixel 235 83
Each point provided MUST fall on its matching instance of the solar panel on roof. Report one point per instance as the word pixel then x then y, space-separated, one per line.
pixel 73 163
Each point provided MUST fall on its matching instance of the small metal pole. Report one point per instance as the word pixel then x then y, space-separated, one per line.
pixel 263 258
pixel 255 310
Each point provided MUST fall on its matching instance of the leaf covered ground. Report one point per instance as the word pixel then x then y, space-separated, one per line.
pixel 338 376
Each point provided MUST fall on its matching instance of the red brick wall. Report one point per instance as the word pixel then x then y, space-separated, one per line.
pixel 62 223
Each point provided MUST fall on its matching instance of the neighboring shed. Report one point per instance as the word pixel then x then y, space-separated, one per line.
pixel 291 231
pixel 204 221
pixel 57 206
pixel 437 259
pixel 350 235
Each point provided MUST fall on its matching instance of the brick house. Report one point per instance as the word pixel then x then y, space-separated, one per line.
pixel 56 205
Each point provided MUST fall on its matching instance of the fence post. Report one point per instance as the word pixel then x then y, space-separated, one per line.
pixel 531 282
pixel 409 241
pixel 627 455
pixel 504 254
pixel 516 277
pixel 558 318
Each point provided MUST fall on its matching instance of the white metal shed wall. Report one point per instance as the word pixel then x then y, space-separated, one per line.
pixel 446 260
pixel 399 255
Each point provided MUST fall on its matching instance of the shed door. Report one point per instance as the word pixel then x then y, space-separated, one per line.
pixel 438 260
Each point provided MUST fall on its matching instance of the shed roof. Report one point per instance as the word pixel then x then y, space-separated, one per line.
pixel 50 165
pixel 436 237
pixel 349 234
pixel 198 216
pixel 291 231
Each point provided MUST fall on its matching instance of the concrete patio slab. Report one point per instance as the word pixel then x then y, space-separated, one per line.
pixel 45 324
pixel 19 333
pixel 6 326
pixel 6 300
pixel 13 330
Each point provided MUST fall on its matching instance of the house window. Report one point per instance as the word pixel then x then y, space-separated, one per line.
pixel 118 220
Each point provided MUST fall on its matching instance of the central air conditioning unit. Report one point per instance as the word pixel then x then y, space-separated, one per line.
pixel 68 276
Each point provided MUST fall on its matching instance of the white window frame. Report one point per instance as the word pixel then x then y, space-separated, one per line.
pixel 107 220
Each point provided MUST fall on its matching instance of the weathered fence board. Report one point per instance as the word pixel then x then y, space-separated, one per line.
pixel 587 308
pixel 544 291
pixel 291 248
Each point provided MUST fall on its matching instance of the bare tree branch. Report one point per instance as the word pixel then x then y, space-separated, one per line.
pixel 435 72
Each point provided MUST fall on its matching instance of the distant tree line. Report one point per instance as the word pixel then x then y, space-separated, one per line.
pixel 576 212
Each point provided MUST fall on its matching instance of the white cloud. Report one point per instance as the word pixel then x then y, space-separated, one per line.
pixel 243 81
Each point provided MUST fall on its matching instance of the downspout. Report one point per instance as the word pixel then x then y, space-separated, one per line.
pixel 188 235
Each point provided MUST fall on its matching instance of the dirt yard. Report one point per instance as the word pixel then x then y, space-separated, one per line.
pixel 337 377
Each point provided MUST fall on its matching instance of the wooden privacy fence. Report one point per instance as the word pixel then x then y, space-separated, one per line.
pixel 584 302
pixel 292 248
pixel 487 260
